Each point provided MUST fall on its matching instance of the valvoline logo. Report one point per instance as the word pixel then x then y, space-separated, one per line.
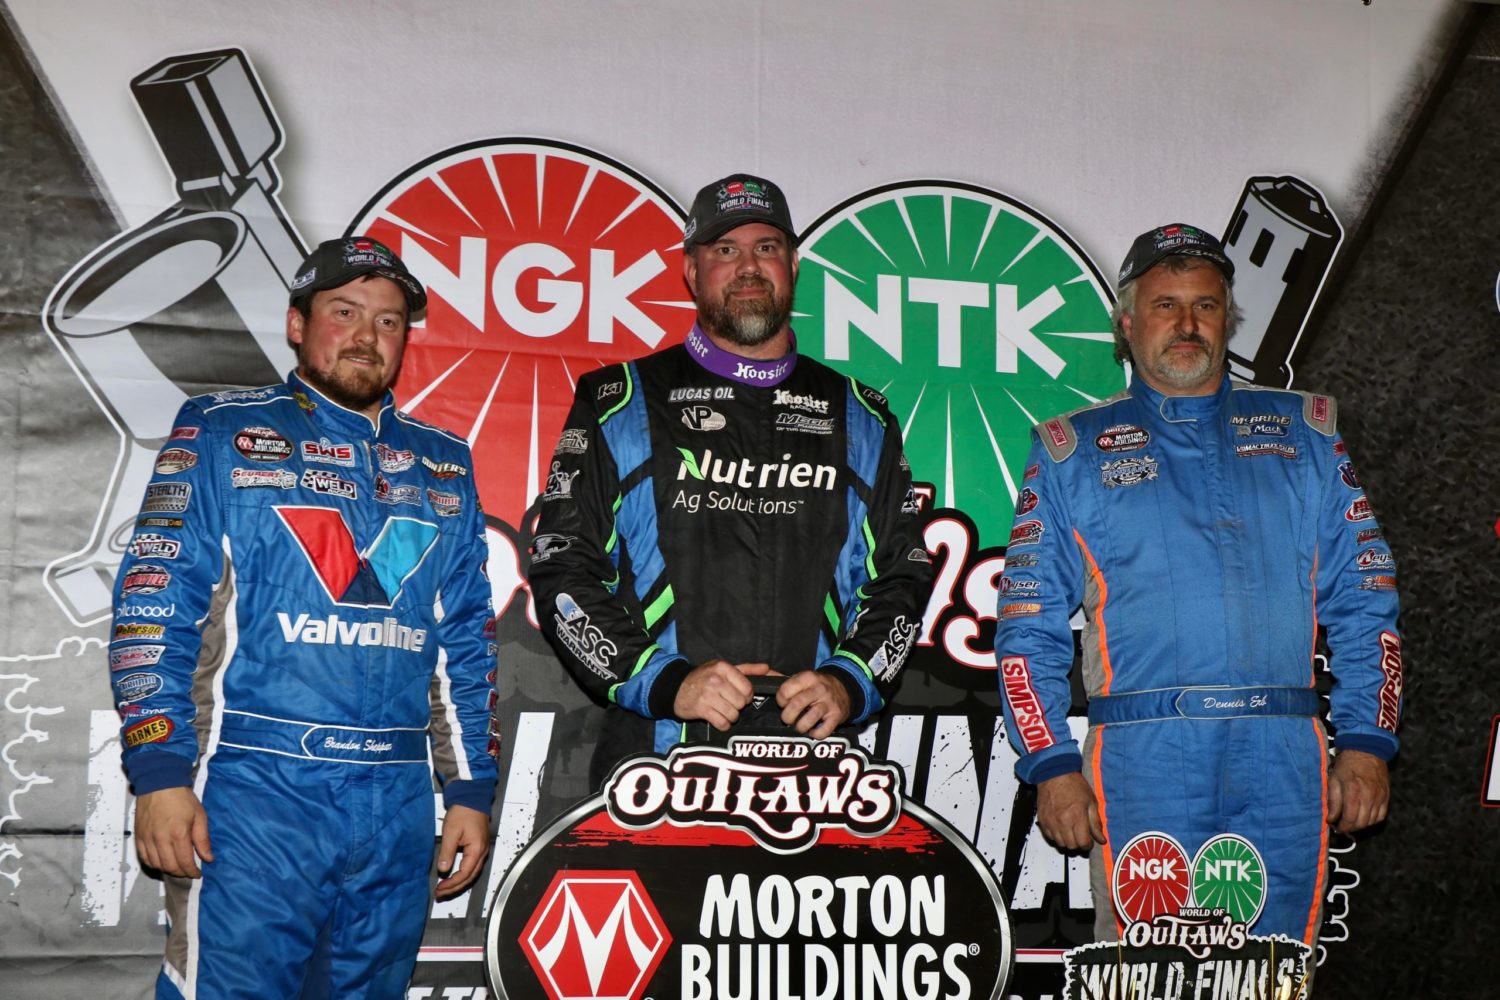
pixel 541 261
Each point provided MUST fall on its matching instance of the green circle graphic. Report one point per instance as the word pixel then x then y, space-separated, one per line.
pixel 977 318
pixel 1228 874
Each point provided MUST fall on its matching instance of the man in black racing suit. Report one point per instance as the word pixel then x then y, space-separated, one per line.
pixel 725 509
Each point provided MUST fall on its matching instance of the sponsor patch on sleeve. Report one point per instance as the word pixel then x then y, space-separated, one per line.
pixel 1031 719
pixel 155 729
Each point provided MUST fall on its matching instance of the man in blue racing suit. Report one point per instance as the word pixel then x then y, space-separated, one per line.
pixel 1207 528
pixel 303 615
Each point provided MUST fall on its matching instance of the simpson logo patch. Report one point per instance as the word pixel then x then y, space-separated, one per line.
pixel 1390 687
pixel 1025 704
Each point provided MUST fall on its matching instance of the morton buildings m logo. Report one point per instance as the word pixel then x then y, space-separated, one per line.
pixel 595 934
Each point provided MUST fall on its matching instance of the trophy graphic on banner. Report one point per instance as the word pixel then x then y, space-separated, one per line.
pixel 192 301
pixel 1282 237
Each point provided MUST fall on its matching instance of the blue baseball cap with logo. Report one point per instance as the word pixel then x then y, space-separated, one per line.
pixel 1174 240
pixel 337 262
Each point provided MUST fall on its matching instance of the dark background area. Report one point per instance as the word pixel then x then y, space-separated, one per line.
pixel 1408 343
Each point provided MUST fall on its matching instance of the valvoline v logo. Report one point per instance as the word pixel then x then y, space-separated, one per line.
pixel 372 579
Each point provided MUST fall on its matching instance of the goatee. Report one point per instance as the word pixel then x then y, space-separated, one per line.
pixel 746 322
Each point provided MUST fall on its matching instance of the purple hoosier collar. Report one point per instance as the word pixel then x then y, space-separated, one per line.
pixel 750 371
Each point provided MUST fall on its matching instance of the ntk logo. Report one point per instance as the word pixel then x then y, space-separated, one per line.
pixel 542 261
pixel 973 313
pixel 595 935
pixel 372 579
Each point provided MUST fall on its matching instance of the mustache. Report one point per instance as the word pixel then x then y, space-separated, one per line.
pixel 1188 338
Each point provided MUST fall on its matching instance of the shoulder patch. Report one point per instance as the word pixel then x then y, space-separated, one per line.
pixel 612 388
pixel 1321 413
pixel 1058 436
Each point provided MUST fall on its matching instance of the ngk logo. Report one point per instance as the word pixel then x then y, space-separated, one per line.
pixel 542 261
pixel 595 935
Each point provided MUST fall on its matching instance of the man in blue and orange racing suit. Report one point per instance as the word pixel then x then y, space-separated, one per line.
pixel 727 508
pixel 302 614
pixel 1207 528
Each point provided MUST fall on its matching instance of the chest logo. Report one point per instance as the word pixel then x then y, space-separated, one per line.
pixel 1127 471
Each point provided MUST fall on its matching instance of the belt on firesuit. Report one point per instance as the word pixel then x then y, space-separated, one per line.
pixel 1203 703
pixel 316 741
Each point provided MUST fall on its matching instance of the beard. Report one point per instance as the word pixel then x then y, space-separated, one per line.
pixel 354 389
pixel 746 322
pixel 1187 371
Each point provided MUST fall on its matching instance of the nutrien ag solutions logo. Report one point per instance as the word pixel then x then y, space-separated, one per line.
pixel 974 314
pixel 541 261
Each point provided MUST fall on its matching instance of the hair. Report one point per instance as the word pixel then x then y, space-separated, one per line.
pixel 1177 264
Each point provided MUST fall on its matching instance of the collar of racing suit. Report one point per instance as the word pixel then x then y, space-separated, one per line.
pixel 1176 409
pixel 326 412
pixel 750 371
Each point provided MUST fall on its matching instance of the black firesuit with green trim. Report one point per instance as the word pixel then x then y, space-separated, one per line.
pixel 700 508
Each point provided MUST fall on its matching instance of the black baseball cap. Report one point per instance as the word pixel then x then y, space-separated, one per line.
pixel 1176 239
pixel 338 262
pixel 732 202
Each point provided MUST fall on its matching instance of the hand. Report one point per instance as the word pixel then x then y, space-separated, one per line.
pixel 170 825
pixel 1068 813
pixel 465 832
pixel 813 703
pixel 1359 790
pixel 715 691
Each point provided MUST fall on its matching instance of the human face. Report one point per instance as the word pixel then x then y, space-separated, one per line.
pixel 349 348
pixel 743 285
pixel 1177 329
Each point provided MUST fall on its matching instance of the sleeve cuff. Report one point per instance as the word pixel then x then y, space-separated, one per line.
pixel 477 794
pixel 857 706
pixel 1384 747
pixel 664 689
pixel 151 771
pixel 1036 772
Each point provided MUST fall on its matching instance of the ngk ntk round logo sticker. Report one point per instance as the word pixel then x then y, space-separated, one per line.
pixel 977 318
pixel 541 261
pixel 1152 877
pixel 774 867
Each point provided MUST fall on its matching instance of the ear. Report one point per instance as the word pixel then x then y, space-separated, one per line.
pixel 796 259
pixel 1125 319
pixel 690 271
pixel 294 325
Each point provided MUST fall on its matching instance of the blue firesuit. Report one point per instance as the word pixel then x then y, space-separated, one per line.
pixel 302 615
pixel 1206 540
